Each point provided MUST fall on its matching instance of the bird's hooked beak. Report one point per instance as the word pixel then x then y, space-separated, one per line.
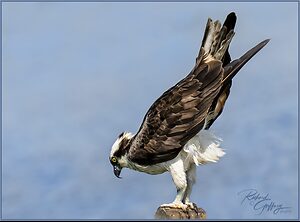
pixel 117 170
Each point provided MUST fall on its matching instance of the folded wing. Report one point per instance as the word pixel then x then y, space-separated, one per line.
pixel 194 102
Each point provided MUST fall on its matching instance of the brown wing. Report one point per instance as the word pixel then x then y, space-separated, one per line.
pixel 219 102
pixel 230 70
pixel 178 115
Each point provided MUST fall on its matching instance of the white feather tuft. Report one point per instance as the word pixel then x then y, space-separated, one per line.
pixel 204 148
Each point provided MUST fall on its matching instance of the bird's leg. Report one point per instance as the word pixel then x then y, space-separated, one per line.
pixel 191 179
pixel 179 178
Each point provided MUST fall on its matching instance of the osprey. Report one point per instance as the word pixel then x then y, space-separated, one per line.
pixel 174 135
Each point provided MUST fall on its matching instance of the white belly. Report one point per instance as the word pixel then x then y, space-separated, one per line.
pixel 202 148
pixel 151 169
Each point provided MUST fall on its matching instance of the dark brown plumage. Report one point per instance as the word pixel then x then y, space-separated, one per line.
pixel 198 99
pixel 218 103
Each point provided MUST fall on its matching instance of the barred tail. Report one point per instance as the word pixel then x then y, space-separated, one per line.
pixel 216 39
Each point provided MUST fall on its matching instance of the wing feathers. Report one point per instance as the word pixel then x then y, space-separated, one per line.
pixel 177 115
pixel 239 63
pixel 181 112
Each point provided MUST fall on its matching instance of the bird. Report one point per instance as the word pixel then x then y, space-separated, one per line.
pixel 175 133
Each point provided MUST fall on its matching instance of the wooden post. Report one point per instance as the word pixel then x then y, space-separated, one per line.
pixel 179 213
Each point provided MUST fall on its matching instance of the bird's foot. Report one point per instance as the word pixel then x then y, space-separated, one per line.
pixel 179 205
pixel 191 205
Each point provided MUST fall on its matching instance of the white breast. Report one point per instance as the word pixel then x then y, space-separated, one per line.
pixel 202 148
pixel 151 169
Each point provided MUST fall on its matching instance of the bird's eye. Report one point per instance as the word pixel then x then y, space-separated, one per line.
pixel 114 159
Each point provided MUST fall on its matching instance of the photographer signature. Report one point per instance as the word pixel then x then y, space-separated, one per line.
pixel 262 203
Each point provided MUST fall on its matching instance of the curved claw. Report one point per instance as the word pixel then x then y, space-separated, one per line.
pixel 191 205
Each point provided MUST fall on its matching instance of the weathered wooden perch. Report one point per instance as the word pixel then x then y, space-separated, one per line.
pixel 178 213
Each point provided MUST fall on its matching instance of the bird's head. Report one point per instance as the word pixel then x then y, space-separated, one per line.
pixel 119 150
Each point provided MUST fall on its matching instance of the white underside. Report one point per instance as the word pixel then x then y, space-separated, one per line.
pixel 201 149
